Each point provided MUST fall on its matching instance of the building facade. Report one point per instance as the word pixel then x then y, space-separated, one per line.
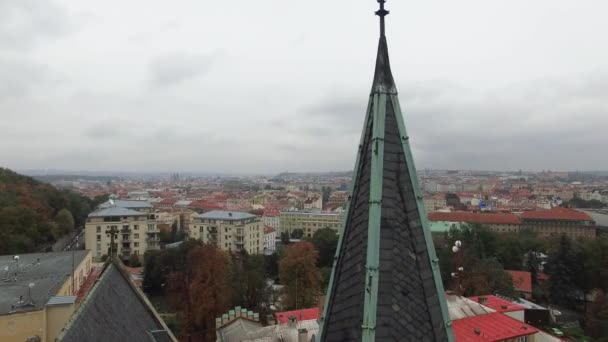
pixel 498 222
pixel 313 202
pixel 559 221
pixel 309 221
pixel 270 240
pixel 229 230
pixel 136 232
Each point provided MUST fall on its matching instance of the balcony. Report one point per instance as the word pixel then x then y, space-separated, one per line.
pixel 153 239
pixel 125 230
pixel 153 246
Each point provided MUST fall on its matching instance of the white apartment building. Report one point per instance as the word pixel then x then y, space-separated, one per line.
pixel 270 240
pixel 271 221
pixel 136 232
pixel 229 230
pixel 309 221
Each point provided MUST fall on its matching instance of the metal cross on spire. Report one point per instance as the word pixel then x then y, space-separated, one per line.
pixel 382 13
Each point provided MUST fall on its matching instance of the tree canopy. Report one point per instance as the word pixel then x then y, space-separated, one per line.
pixel 299 274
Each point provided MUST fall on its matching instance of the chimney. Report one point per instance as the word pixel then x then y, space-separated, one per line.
pixel 230 214
pixel 482 300
pixel 292 323
pixel 302 335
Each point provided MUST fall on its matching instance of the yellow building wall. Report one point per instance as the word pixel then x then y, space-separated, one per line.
pixel 57 317
pixel 19 327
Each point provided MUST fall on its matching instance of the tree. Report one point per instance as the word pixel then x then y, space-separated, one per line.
pixel 134 261
pixel 299 274
pixel 297 233
pixel 65 222
pixel 598 318
pixel 248 276
pixel 325 241
pixel 563 268
pixel 285 238
pixel 200 292
pixel 326 192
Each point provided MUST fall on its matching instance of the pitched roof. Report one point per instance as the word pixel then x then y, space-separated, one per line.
pixel 300 315
pixel 389 291
pixel 130 204
pixel 115 211
pixel 46 271
pixel 471 217
pixel 497 303
pixel 115 310
pixel 522 280
pixel 557 213
pixel 226 215
pixel 490 327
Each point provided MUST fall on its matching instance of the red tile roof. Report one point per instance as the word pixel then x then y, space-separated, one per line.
pixel 522 280
pixel 497 303
pixel 557 213
pixel 482 218
pixel 300 315
pixel 268 229
pixel 490 327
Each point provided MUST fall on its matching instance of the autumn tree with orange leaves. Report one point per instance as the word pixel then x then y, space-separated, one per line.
pixel 299 274
pixel 200 292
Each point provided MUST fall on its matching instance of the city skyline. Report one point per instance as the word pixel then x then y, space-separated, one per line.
pixel 246 89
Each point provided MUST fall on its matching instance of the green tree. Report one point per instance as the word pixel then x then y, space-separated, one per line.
pixel 65 222
pixel 563 268
pixel 248 276
pixel 134 261
pixel 598 318
pixel 297 233
pixel 326 192
pixel 325 241
pixel 299 274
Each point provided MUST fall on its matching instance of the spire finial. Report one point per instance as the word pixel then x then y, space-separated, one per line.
pixel 382 13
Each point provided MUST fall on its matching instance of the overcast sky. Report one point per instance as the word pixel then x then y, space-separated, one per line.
pixel 267 85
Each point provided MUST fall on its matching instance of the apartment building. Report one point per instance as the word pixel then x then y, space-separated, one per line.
pixel 229 230
pixel 136 232
pixel 309 221
pixel 498 222
pixel 434 202
pixel 313 202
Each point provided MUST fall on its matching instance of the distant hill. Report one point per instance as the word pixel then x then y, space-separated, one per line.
pixel 34 214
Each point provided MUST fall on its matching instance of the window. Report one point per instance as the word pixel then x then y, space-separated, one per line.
pixel 136 236
pixel 99 229
pixel 136 244
pixel 136 227
pixel 98 237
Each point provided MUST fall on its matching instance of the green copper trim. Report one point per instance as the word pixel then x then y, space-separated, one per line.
pixel 353 191
pixel 423 219
pixel 370 305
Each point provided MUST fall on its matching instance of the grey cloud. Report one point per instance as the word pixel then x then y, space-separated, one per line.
pixel 20 77
pixel 25 22
pixel 177 68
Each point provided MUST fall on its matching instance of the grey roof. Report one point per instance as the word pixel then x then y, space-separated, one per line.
pixel 600 216
pixel 385 211
pixel 114 310
pixel 226 215
pixel 130 204
pixel 47 271
pixel 61 300
pixel 116 211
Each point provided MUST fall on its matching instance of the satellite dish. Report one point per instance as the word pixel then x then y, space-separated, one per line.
pixel 6 268
pixel 111 201
pixel 16 258
pixel 31 285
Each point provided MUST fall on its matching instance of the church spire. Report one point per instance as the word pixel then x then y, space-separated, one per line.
pixel 383 78
pixel 385 284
